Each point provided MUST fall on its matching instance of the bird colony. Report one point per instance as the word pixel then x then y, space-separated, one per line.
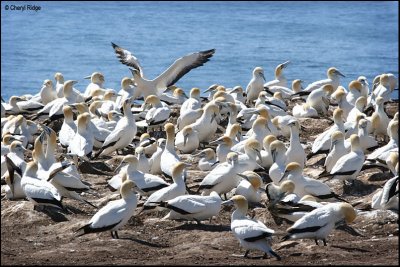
pixel 155 154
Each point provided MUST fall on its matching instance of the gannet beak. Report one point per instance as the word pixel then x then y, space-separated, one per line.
pixel 239 136
pixel 74 82
pixel 283 176
pixel 243 176
pixel 215 142
pixel 213 117
pixel 285 64
pixel 185 138
pixel 208 90
pixel 262 75
pixel 258 154
pixel 227 203
pixel 119 166
pixel 87 77
pixel 198 154
pixel 339 73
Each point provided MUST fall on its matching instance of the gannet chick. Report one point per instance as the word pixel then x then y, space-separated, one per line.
pixel 96 81
pixel 255 86
pixel 388 197
pixel 208 159
pixel 252 234
pixel 307 186
pixel 169 157
pixel 123 134
pixel 192 207
pixel 295 151
pixel 115 214
pixel 277 169
pixel 177 188
pixel 187 140
pixel 333 79
pixel 250 186
pixel 304 111
pixel 82 142
pixel 319 223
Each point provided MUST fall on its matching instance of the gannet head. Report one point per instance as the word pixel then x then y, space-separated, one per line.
pixel 139 151
pixel 296 85
pixel 169 129
pixel 232 157
pixel 186 131
pixel 328 89
pixel 177 170
pixel 375 121
pixel 195 92
pixel 336 136
pixel 268 140
pixel 109 94
pixel 178 92
pixel 348 212
pixel 96 77
pixel 83 120
pixel 253 145
pixel 152 100
pixel 209 153
pixel 279 69
pixel 278 95
pixel 263 112
pixel 275 121
pixel 68 85
pixel 237 89
pixel 226 140
pixel 259 122
pixel 144 136
pixel 384 80
pixel 48 83
pixel 394 128
pixel 211 88
pixel 59 77
pixel 339 93
pixel 363 80
pixel 239 201
pixel 126 188
pixel 291 168
pixel 126 83
pixel 355 85
pixel 308 198
pixel 363 123
pixel 16 146
pixel 258 72
pixel 305 106
pixel 253 178
pixel 392 81
pixel 333 73
pixel 379 100
pixel 355 142
pixel 361 102
pixel 8 138
pixel 338 115
pixel 287 187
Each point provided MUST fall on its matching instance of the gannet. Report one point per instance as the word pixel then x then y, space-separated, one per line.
pixel 208 159
pixel 276 193
pixel 115 214
pixel 147 183
pixel 392 121
pixel 320 222
pixel 96 81
pixel 38 191
pixel 259 131
pixel 340 96
pixel 304 111
pixel 337 150
pixel 333 79
pixel 307 186
pixel 295 151
pixel 194 102
pixel 322 143
pixel 380 120
pixel 169 157
pixel 177 188
pixel 148 143
pixel 384 88
pixel 282 124
pixel 354 93
pixel 393 162
pixel 206 125
pixel 158 113
pixel 277 169
pixel 68 128
pixel 123 134
pixel 224 147
pixel 59 85
pixel 192 207
pixel 14 161
pixel 82 142
pixel 169 77
pixel 252 234
pixel 255 86
pixel 367 141
pixel 155 160
pixel 266 156
pixel 250 186
pixel 285 91
pixel 11 108
pixel 187 140
pixel 234 133
pixel 280 79
pixel 388 197
pixel 223 178
pixel 248 160
pixel 348 166
pixel 178 97
pixel 357 110
pixel 237 94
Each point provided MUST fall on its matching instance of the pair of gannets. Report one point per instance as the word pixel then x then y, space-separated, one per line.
pixel 169 77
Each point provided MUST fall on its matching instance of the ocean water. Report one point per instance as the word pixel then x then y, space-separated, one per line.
pixel 359 38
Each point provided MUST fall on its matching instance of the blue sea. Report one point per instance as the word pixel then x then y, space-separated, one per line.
pixel 358 38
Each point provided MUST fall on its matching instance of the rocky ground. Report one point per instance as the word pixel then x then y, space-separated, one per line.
pixel 30 237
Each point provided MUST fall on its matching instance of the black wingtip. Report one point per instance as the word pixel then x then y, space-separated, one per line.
pixel 114 45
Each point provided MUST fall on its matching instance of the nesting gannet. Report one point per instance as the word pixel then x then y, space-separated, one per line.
pixel 319 223
pixel 340 96
pixel 177 188
pixel 96 81
pixel 11 108
pixel 223 178
pixel 255 86
pixel 123 134
pixel 295 151
pixel 282 124
pixel 68 128
pixel 188 117
pixel 208 159
pixel 322 143
pixel 115 214
pixel 147 183
pixel 38 191
pixel 277 169
pixel 391 122
pixel 348 166
pixel 158 113
pixel 155 160
pixel 206 125
pixel 187 140
pixel 333 79
pixel 307 186
pixel 250 186
pixel 285 91
pixel 194 102
pixel 224 147
pixel 108 101
pixel 388 197
pixel 319 98
pixel 46 93
pixel 148 143
pixel 304 111
pixel 280 79
pixel 276 193
pixel 82 142
pixel 266 156
pixel 354 93
pixel 192 207
pixel 252 234
pixel 169 77
pixel 169 157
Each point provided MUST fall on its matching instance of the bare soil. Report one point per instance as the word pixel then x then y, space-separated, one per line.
pixel 30 237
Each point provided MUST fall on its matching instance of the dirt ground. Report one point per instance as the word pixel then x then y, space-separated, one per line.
pixel 30 237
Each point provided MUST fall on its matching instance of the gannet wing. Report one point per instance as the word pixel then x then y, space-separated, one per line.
pixel 126 58
pixel 180 67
